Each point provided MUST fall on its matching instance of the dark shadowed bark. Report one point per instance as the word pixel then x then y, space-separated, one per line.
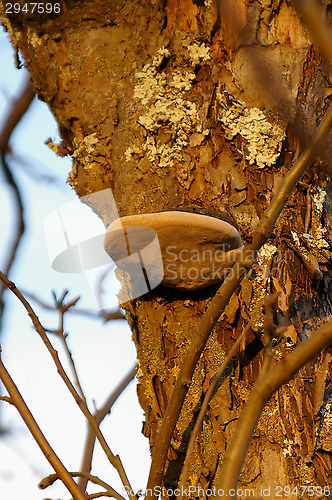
pixel 186 103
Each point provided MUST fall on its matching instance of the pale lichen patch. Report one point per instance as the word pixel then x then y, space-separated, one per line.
pixel 198 53
pixel 182 81
pixel 324 436
pixel 266 253
pixel 132 151
pixel 301 248
pixel 288 448
pixel 315 238
pixel 150 81
pixel 181 117
pixel 87 145
pixel 260 283
pixel 34 39
pixel 84 151
pixel 170 118
pixel 263 139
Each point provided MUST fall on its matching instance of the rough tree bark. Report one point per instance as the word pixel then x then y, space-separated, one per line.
pixel 175 103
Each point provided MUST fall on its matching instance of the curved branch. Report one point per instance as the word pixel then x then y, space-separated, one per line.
pixel 63 308
pixel 6 399
pixel 207 398
pixel 19 225
pixel 113 459
pixel 39 437
pixel 105 315
pixel 49 480
pixel 262 391
pixel 220 300
pixel 101 494
pixel 19 107
pixel 99 416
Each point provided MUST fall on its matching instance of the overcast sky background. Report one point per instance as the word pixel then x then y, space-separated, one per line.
pixel 103 353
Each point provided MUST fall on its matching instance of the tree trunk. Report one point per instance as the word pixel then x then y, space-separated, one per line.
pixel 173 104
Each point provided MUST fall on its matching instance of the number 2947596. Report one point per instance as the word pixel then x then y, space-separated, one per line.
pixel 32 8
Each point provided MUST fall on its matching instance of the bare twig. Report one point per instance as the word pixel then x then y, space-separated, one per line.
pixel 6 399
pixel 105 315
pixel 63 308
pixel 39 437
pixel 63 338
pixel 34 168
pixel 262 391
pixel 18 109
pixel 49 480
pixel 222 297
pixel 19 230
pixel 100 287
pixel 207 398
pixel 99 416
pixel 101 494
pixel 113 459
pixel 215 381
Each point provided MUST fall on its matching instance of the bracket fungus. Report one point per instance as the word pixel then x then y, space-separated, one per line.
pixel 178 249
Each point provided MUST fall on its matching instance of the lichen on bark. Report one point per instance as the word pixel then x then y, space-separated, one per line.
pixel 134 87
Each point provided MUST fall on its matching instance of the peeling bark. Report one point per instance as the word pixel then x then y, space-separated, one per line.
pixel 173 104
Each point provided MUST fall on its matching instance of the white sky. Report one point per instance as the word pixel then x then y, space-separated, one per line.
pixel 103 354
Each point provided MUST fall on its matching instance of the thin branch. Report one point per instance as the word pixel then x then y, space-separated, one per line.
pixel 39 437
pixel 19 107
pixel 113 459
pixel 50 480
pixel 262 391
pixel 220 300
pixel 34 168
pixel 63 308
pixel 207 398
pixel 214 384
pixel 20 220
pixel 6 399
pixel 99 416
pixel 101 494
pixel 105 315
pixel 19 230
pixel 63 338
pixel 100 287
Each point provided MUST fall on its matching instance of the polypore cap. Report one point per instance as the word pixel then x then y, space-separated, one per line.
pixel 191 251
